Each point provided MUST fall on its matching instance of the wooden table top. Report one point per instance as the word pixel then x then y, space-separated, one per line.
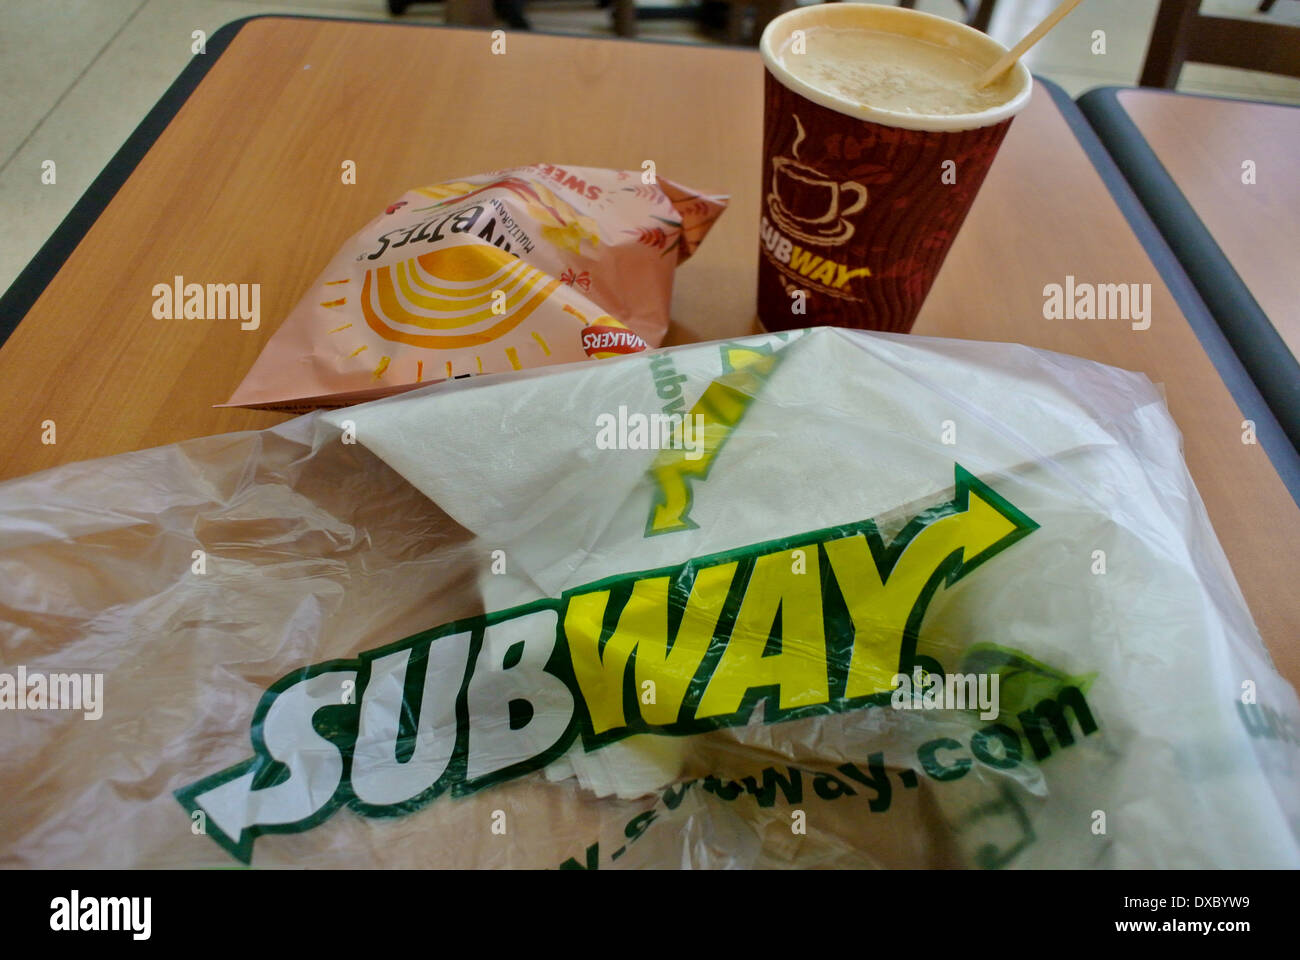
pixel 1202 142
pixel 244 186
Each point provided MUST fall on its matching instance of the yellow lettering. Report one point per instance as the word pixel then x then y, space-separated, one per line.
pixel 803 261
pixel 824 274
pixel 799 670
pixel 845 275
pixel 879 608
pixel 722 405
pixel 642 634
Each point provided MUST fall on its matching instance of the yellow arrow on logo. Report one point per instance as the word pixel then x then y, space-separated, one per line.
pixel 882 593
pixel 721 406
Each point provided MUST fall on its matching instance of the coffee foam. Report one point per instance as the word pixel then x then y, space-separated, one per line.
pixel 971 48
pixel 891 71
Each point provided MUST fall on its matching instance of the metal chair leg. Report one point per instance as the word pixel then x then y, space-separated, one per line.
pixel 625 18
pixel 1170 39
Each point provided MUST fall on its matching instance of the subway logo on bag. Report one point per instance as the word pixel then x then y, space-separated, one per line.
pixel 810 625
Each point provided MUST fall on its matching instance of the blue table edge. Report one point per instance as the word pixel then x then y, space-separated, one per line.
pixel 1272 436
pixel 1261 350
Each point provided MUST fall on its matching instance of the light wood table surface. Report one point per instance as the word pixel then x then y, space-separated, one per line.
pixel 244 186
pixel 1202 142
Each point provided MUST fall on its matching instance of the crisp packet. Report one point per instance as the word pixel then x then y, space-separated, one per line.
pixel 516 268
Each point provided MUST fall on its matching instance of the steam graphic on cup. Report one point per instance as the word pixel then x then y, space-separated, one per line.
pixel 809 206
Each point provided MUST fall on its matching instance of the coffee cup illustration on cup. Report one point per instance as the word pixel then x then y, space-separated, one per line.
pixel 810 206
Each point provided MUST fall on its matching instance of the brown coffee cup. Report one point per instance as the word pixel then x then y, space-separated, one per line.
pixel 860 204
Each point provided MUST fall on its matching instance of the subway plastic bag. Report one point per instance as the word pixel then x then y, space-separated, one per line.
pixel 822 598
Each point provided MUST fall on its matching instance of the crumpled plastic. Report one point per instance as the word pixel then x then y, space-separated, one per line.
pixel 487 624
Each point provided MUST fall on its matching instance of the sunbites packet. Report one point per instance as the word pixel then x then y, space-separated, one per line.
pixel 515 268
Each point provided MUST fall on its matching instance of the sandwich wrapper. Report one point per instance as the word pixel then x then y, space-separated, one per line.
pixel 425 625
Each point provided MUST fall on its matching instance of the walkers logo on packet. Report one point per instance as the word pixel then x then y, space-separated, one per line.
pixel 610 340
pixel 506 270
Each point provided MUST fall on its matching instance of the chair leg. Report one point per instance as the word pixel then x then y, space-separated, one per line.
pixel 1266 6
pixel 983 15
pixel 736 15
pixel 765 11
pixel 1171 38
pixel 625 18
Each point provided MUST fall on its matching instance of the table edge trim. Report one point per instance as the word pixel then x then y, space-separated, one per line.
pixel 1240 321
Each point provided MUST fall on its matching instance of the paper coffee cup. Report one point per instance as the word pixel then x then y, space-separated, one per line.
pixel 861 203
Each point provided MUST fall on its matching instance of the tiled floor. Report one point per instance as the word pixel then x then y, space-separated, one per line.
pixel 76 76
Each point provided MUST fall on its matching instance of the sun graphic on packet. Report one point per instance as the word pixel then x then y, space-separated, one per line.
pixel 468 302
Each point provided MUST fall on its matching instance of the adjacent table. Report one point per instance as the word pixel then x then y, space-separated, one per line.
pixel 236 176
pixel 1219 179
